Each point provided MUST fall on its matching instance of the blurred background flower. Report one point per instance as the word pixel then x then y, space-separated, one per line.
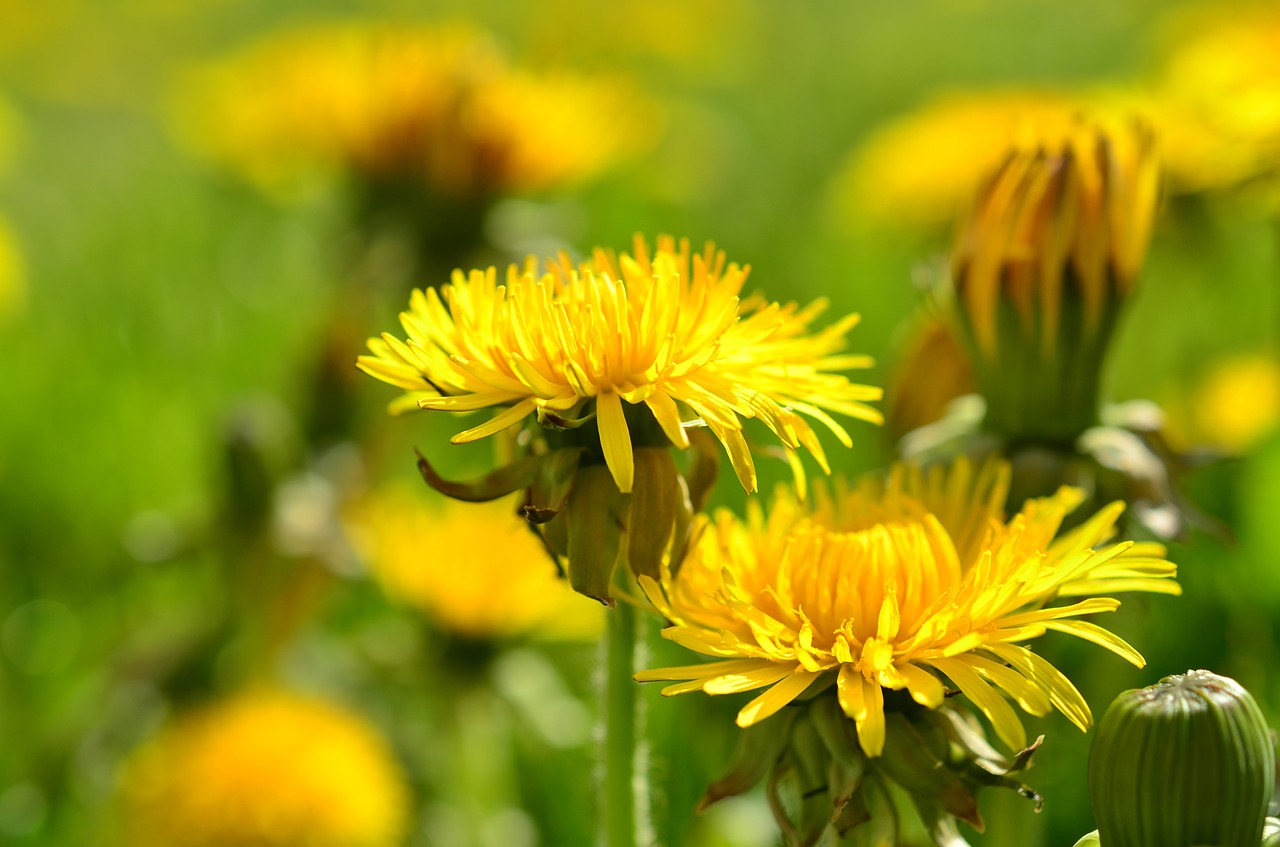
pixel 477 570
pixel 261 769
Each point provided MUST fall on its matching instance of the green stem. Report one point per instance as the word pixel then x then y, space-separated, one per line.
pixel 621 729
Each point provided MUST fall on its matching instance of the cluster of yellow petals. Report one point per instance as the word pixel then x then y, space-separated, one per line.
pixel 266 769
pixel 1069 218
pixel 435 105
pixel 900 584
pixel 668 330
pixel 475 568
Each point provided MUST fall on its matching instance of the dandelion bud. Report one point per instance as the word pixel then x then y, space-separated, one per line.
pixel 1186 762
pixel 1048 255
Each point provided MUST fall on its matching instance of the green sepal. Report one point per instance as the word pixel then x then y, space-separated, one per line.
pixel 682 535
pixel 549 492
pixel 882 826
pixel 802 773
pixel 840 736
pixel 551 420
pixel 654 500
pixel 915 758
pixel 493 485
pixel 757 750
pixel 854 813
pixel 704 468
pixel 597 515
pixel 941 826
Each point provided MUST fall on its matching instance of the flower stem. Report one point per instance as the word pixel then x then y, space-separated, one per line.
pixel 621 729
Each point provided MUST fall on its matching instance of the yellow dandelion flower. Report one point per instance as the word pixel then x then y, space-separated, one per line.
pixel 1218 98
pixel 266 769
pixel 905 584
pixel 434 106
pixel 427 556
pixel 1046 258
pixel 662 336
pixel 921 169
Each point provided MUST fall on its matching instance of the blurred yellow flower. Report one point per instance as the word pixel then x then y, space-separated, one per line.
pixel 1042 266
pixel 921 169
pixel 620 332
pixel 435 107
pixel 12 275
pixel 1219 97
pixel 266 769
pixel 1232 407
pixel 900 584
pixel 478 569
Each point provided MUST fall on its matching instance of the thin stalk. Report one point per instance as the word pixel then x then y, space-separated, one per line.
pixel 621 818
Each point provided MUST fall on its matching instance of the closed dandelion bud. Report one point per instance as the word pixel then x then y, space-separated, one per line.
pixel 1186 762
pixel 1090 840
pixel 1043 264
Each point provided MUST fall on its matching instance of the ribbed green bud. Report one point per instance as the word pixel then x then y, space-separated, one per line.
pixel 1186 762
pixel 1090 840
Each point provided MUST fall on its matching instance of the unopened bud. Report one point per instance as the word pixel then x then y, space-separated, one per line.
pixel 1186 762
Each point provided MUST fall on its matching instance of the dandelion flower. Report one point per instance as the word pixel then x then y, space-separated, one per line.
pixel 438 108
pixel 1043 264
pixel 427 556
pixel 266 769
pixel 914 583
pixel 662 336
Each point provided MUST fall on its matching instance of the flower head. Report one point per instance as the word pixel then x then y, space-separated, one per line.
pixel 662 336
pixel 473 568
pixel 1049 253
pixel 904 584
pixel 437 107
pixel 266 769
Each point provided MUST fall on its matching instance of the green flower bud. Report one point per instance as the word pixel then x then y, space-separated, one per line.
pixel 1186 762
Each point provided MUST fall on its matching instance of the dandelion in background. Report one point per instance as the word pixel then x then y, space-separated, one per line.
pixel 437 109
pixel 1043 264
pixel 1218 99
pixel 617 360
pixel 266 769
pixel 427 556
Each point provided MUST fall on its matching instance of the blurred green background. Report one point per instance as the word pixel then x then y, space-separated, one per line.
pixel 164 298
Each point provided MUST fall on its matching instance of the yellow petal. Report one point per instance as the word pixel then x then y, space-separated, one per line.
pixel 499 422
pixel 775 698
pixel 926 689
pixel 615 440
